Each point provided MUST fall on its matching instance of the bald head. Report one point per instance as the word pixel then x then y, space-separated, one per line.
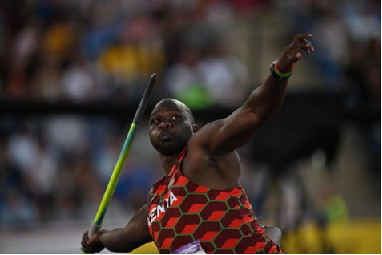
pixel 170 104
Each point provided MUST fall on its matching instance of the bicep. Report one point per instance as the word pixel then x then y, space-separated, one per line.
pixel 228 134
pixel 239 128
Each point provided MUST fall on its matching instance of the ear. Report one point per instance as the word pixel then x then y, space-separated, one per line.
pixel 195 128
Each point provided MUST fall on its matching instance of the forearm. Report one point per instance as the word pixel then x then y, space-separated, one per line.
pixel 133 235
pixel 267 99
pixel 240 127
pixel 115 241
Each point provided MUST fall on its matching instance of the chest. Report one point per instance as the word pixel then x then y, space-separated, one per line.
pixel 169 192
pixel 213 171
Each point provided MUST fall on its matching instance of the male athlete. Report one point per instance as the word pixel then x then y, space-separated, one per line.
pixel 199 205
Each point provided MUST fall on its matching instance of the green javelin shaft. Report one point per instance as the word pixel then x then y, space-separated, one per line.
pixel 97 223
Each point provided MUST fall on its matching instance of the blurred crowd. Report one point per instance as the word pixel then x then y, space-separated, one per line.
pixel 101 51
pixel 89 50
pixel 349 57
pixel 57 168
pixel 347 39
pixel 348 45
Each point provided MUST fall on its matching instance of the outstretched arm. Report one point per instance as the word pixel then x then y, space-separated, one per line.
pixel 122 240
pixel 239 128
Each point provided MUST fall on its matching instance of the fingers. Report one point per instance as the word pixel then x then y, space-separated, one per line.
pixel 300 37
pixel 298 56
pixel 306 45
pixel 94 238
pixel 85 238
pixel 301 43
pixel 293 54
pixel 301 40
pixel 85 243
pixel 92 245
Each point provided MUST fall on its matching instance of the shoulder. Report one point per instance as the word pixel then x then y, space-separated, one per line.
pixel 202 138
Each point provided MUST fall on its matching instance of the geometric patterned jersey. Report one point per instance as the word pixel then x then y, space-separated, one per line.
pixel 181 212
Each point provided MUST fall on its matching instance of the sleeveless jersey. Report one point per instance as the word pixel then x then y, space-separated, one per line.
pixel 181 212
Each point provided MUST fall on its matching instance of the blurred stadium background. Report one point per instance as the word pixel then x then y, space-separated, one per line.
pixel 72 73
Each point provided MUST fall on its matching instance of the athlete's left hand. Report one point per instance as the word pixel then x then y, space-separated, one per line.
pixel 292 54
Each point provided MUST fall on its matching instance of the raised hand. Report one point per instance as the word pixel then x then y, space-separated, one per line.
pixel 292 54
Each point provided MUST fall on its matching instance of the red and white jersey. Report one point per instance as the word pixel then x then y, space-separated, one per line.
pixel 182 212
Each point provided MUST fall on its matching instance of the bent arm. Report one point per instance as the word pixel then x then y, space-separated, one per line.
pixel 239 128
pixel 236 130
pixel 135 234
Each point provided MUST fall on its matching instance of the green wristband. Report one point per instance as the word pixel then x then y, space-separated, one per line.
pixel 277 74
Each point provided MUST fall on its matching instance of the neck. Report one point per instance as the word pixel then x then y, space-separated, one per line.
pixel 168 162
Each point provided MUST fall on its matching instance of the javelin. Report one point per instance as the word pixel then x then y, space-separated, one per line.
pixel 97 223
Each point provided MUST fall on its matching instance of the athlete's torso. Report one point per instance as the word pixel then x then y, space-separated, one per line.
pixel 181 212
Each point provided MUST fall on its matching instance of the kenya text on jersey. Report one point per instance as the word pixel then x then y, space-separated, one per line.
pixel 162 207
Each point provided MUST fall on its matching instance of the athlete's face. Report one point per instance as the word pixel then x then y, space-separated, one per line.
pixel 170 128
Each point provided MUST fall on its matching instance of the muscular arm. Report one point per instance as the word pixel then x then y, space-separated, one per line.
pixel 135 234
pixel 239 128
